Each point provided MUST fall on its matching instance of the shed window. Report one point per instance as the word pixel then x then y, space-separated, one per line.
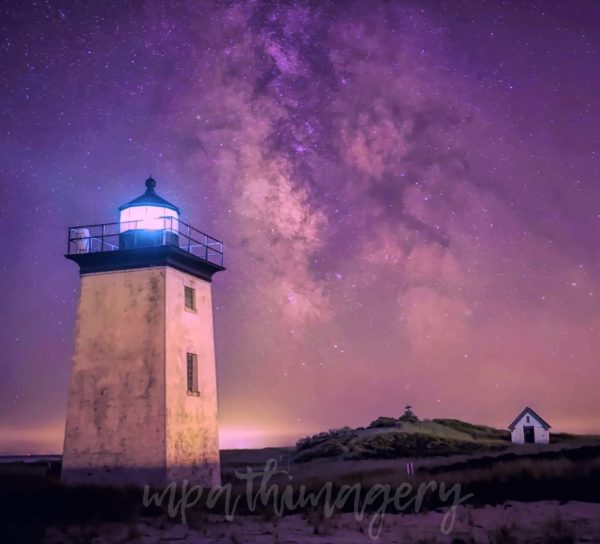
pixel 192 374
pixel 527 419
pixel 190 298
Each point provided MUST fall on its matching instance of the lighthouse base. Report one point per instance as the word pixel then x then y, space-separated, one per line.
pixel 131 418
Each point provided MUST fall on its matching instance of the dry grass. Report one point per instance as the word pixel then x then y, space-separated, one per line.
pixel 557 531
pixel 504 534
pixel 572 474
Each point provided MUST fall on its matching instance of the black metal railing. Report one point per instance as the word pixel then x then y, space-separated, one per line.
pixel 144 233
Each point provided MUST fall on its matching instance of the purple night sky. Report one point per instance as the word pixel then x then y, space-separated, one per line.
pixel 408 192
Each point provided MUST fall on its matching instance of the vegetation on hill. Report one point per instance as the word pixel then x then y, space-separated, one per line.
pixel 333 434
pixel 408 444
pixel 405 436
pixel 384 422
pixel 407 417
pixel 475 431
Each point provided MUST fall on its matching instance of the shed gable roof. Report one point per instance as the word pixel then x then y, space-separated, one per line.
pixel 529 411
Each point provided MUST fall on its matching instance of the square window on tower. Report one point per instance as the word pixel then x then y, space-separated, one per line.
pixel 192 374
pixel 190 298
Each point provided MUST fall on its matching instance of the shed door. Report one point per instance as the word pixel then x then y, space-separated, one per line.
pixel 529 435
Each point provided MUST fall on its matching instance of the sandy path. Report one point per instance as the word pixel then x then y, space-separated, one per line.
pixel 513 522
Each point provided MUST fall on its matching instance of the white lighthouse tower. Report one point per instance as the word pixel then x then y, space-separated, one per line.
pixel 142 405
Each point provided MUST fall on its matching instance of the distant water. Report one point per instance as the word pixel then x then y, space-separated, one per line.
pixel 29 458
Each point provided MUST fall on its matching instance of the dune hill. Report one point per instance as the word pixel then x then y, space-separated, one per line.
pixel 387 438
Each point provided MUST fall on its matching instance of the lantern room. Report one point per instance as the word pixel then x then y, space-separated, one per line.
pixel 148 220
pixel 149 231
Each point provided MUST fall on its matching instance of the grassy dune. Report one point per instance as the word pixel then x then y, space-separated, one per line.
pixel 389 438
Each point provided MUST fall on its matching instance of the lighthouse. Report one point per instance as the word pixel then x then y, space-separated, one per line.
pixel 142 403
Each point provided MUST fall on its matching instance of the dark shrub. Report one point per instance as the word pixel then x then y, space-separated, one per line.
pixel 384 422
pixel 328 449
pixel 344 434
pixel 409 418
pixel 311 441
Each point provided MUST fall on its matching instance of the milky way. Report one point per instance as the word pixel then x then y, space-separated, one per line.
pixel 407 192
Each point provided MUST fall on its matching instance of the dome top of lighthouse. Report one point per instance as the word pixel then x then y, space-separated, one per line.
pixel 150 198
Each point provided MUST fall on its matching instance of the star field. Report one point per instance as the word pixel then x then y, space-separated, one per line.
pixel 407 192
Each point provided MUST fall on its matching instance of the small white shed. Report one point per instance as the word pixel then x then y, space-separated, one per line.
pixel 529 428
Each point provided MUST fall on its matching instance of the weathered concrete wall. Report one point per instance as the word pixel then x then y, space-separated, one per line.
pixel 542 436
pixel 192 432
pixel 130 419
pixel 115 429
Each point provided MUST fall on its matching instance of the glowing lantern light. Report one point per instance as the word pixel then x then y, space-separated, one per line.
pixel 148 220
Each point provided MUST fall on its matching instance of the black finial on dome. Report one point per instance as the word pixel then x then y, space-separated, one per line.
pixel 150 183
pixel 150 198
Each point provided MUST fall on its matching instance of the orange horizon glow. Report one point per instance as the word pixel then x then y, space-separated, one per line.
pixel 49 439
